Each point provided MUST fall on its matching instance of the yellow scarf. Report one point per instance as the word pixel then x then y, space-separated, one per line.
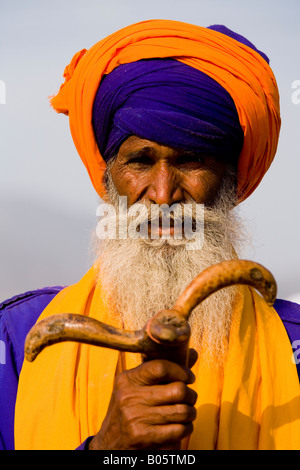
pixel 253 402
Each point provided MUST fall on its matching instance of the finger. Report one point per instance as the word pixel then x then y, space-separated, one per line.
pixel 162 435
pixel 193 356
pixel 179 413
pixel 176 392
pixel 160 372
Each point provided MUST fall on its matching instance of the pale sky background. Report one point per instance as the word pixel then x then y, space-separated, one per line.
pixel 47 203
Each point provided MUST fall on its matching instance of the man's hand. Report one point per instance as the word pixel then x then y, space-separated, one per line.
pixel 151 407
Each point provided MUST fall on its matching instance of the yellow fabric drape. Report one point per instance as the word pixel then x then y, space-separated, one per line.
pixel 252 402
pixel 238 68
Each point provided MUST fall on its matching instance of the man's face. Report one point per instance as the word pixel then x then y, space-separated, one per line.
pixel 145 171
pixel 141 276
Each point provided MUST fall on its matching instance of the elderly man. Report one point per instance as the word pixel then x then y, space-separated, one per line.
pixel 162 113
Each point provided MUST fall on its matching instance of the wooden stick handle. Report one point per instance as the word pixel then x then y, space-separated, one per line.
pixel 167 334
pixel 225 274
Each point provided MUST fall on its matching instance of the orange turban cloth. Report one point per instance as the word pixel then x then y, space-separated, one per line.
pixel 238 68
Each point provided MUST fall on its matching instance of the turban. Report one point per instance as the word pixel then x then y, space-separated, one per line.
pixel 168 102
pixel 223 56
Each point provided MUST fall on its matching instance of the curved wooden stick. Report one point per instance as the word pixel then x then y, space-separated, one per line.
pixel 167 334
pixel 224 274
pixel 74 327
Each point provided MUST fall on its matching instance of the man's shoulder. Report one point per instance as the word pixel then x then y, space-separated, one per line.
pixel 19 313
pixel 28 305
pixel 288 311
pixel 28 297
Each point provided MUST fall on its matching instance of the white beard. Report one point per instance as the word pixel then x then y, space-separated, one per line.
pixel 141 277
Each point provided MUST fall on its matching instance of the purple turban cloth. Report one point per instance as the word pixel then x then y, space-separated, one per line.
pixel 168 102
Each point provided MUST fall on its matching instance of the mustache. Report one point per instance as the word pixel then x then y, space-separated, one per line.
pixel 177 222
pixel 175 214
pixel 142 219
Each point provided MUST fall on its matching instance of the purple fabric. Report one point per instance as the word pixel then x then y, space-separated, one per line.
pixel 238 37
pixel 168 102
pixel 289 313
pixel 19 314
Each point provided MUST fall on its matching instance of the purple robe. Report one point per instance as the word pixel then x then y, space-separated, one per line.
pixel 20 313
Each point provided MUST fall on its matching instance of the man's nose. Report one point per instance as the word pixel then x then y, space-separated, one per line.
pixel 164 186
